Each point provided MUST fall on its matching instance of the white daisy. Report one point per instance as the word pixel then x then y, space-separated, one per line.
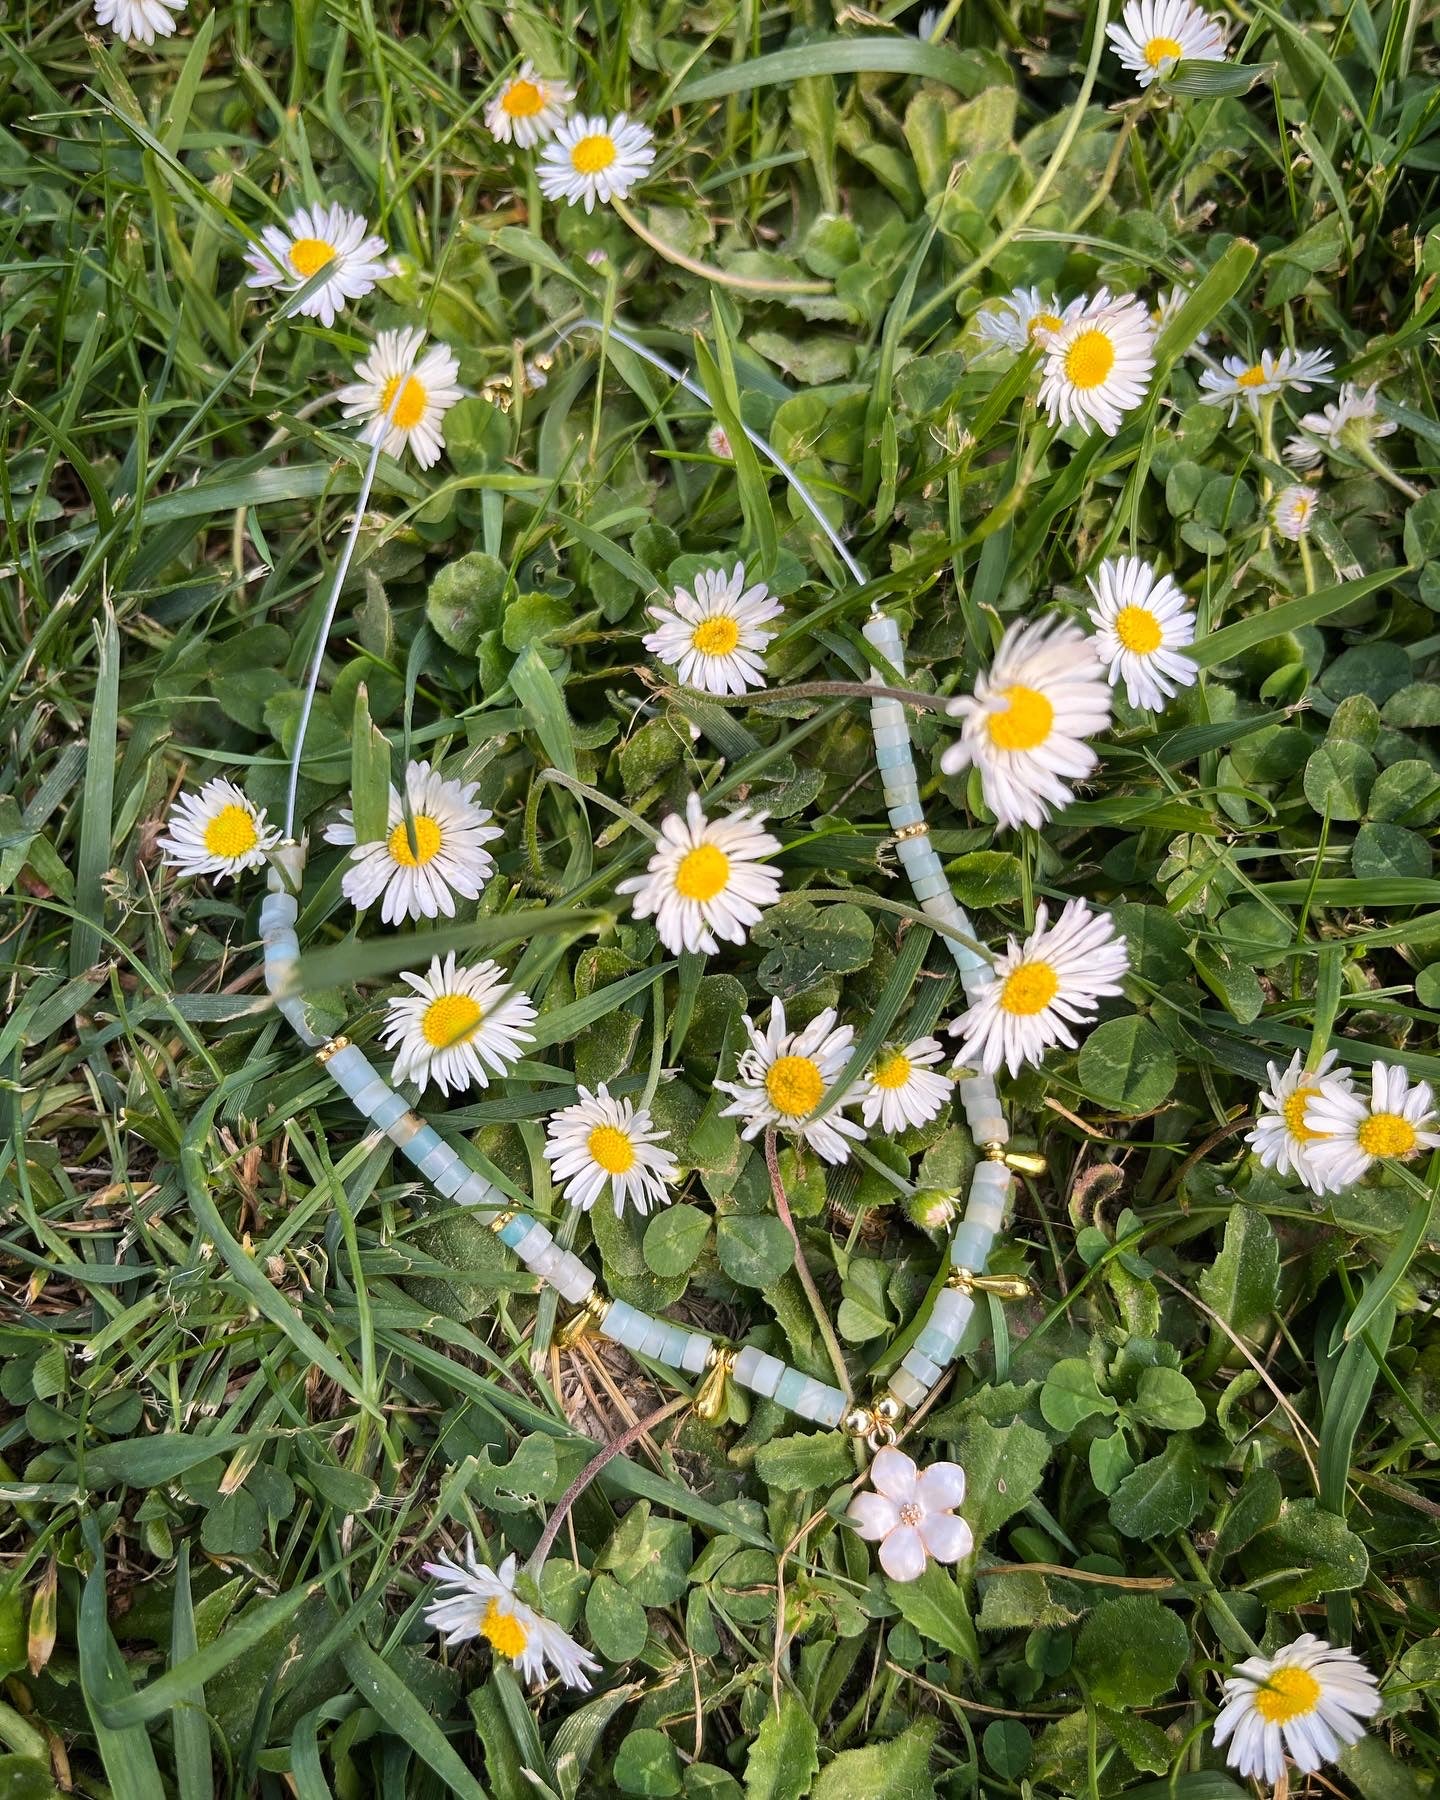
pixel 899 1088
pixel 715 638
pixel 460 1026
pixel 595 158
pixel 1349 422
pixel 912 1514
pixel 783 1076
pixel 1240 383
pixel 1143 624
pixel 1026 723
pixel 475 1601
pixel 319 237
pixel 218 831
pixel 1166 307
pixel 717 442
pixel 1040 988
pixel 139 21
pixel 1154 35
pixel 1292 511
pixel 1281 1138
pixel 1305 1702
pixel 1016 322
pixel 1098 365
pixel 600 1140
pixel 404 400
pixel 420 867
pixel 706 880
pixel 527 107
pixel 1395 1123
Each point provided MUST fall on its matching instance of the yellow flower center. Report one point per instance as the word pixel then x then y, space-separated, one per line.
pixel 1025 724
pixel 1138 629
pixel 410 407
pixel 716 637
pixel 702 873
pixel 522 100
pixel 1386 1134
pixel 893 1071
pixel 1253 377
pixel 450 1020
pixel 504 1631
pixel 593 154
pixel 1044 322
pixel 795 1085
pixel 427 842
pixel 309 255
pixel 1287 1694
pixel 611 1149
pixel 1089 360
pixel 1029 989
pixel 231 832
pixel 1294 1112
pixel 1163 49
pixel 1300 508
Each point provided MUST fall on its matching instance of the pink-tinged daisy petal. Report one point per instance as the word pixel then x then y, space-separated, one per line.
pixel 946 1537
pixel 941 1486
pixel 893 1474
pixel 873 1515
pixel 902 1555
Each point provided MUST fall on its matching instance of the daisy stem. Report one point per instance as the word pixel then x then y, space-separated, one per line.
pixel 802 1268
pixel 1307 563
pixel 748 284
pixel 1372 460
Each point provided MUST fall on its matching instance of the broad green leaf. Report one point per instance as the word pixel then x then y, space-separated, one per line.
pixel 1003 1465
pixel 1243 1283
pixel 1127 1064
pixel 897 1770
pixel 785 1754
pixel 1162 1495
pixel 935 1606
pixel 1131 1650
pixel 808 1460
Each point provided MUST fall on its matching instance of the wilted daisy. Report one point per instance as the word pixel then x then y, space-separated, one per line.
pixel 1143 624
pixel 600 1140
pixel 527 107
pixel 1153 35
pixel 1305 1702
pixel 1023 316
pixel 595 158
pixel 476 1601
pixel 706 880
pixel 319 237
pixel 783 1076
pixel 1238 383
pixel 461 1025
pixel 900 1087
pixel 1351 422
pixel 1026 723
pixel 218 831
pixel 715 637
pixel 1292 511
pixel 1396 1122
pixel 139 21
pixel 911 1514
pixel 1040 988
pixel 717 442
pixel 420 866
pixel 1098 364
pixel 402 399
pixel 1281 1139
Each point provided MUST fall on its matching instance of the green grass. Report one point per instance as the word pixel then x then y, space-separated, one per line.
pixel 253 1375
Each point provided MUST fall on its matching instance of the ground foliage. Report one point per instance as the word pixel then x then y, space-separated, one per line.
pixel 251 1371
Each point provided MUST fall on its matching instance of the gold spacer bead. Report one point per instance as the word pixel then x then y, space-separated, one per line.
pixel 911 831
pixel 994 1152
pixel 1003 1287
pixel 332 1047
pixel 857 1422
pixel 502 1219
pixel 886 1410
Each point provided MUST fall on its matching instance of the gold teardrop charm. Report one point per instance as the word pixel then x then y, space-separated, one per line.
pixel 712 1394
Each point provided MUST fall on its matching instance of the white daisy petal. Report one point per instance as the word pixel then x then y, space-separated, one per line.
pixel 460 1026
pixel 418 867
pixel 901 1089
pixel 474 1601
pixel 1098 364
pixel 1304 1702
pixel 594 158
pixel 218 831
pixel 1345 427
pixel 1238 382
pixel 316 238
pixel 1153 35
pixel 1143 626
pixel 403 396
pixel 603 1140
pixel 706 880
pixel 1024 317
pixel 715 638
pixel 782 1078
pixel 528 108
pixel 1281 1139
pixel 1353 1132
pixel 139 21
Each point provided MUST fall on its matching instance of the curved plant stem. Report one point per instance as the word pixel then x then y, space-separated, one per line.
pixel 606 1453
pixel 748 284
pixel 802 1269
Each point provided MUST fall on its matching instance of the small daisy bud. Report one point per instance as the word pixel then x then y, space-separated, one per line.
pixel 932 1209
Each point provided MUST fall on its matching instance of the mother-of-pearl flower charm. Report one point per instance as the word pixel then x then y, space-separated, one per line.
pixel 911 1513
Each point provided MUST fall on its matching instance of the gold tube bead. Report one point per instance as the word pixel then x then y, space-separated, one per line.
pixel 502 1219
pixel 1025 1162
pixel 910 831
pixel 331 1047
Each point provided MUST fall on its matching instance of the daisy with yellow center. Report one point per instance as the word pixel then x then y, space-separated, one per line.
pixel 901 1088
pixel 1306 1702
pixel 474 1601
pixel 1026 723
pixel 706 880
pixel 528 108
pixel 433 849
pixel 1292 511
pixel 715 637
pixel 1039 989
pixel 1282 1139
pixel 592 159
pixel 1143 627
pixel 783 1076
pixel 1239 382
pixel 1024 317
pixel 218 831
pixel 460 1026
pixel 603 1141
pixel 1099 363
pixel 402 396
pixel 316 238
pixel 1353 1133
pixel 1153 35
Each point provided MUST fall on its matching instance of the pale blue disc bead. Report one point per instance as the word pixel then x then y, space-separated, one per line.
pixel 906 1389
pixel 909 812
pixel 970 1247
pixel 424 1141
pixel 293 1013
pixel 451 1179
pixel 938 1345
pixel 952 1311
pixel 372 1096
pixel 826 1405
pixel 475 1190
pixel 388 1110
pixel 916 1363
pixel 514 1231
pixel 533 1242
pixel 892 756
pixel 349 1069
pixel 789 1388
pixel 696 1352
